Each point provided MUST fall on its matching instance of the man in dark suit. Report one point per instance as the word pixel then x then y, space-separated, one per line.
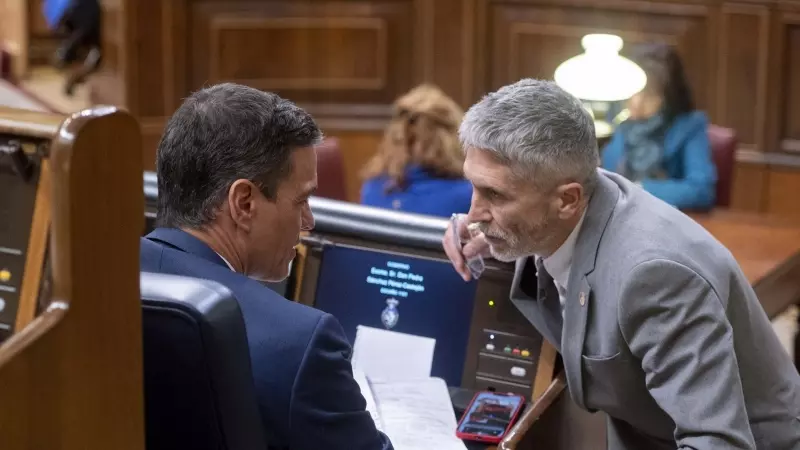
pixel 236 167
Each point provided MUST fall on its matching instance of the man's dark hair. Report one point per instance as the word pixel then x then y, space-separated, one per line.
pixel 219 135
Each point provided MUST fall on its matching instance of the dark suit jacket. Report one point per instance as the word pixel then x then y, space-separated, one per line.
pixel 300 356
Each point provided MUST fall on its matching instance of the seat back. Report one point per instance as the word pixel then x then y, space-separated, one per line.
pixel 71 368
pixel 199 390
pixel 723 151
pixel 330 171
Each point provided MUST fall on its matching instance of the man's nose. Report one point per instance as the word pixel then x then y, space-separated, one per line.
pixel 478 210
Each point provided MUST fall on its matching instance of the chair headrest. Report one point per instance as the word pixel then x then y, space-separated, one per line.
pixel 199 390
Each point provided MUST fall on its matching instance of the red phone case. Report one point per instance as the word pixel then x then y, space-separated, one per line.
pixel 489 439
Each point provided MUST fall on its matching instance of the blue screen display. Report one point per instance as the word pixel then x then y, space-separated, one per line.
pixel 490 414
pixel 418 296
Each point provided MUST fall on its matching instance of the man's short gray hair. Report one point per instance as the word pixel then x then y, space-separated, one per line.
pixel 539 130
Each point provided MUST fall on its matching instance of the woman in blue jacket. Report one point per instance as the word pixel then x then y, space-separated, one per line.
pixel 419 165
pixel 663 146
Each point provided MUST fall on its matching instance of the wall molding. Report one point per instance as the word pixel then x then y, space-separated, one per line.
pixel 749 156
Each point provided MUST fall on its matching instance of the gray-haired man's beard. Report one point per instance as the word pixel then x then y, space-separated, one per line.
pixel 515 246
pixel 509 249
pixel 509 256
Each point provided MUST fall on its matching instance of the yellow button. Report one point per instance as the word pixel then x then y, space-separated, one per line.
pixel 526 353
pixel 5 275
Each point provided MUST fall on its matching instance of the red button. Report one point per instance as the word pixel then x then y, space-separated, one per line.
pixel 515 351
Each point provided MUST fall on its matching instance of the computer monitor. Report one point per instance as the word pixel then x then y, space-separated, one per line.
pixel 24 200
pixel 387 269
pixel 408 294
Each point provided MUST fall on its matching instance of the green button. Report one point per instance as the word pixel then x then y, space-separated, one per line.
pixel 507 349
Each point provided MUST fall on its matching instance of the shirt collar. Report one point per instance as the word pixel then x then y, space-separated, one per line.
pixel 558 264
pixel 230 266
pixel 226 262
pixel 181 240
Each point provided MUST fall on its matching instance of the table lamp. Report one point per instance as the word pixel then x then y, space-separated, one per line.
pixel 599 76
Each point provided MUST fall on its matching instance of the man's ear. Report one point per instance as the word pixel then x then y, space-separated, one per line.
pixel 569 197
pixel 241 203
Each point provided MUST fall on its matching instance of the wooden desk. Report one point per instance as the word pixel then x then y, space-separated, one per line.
pixel 768 251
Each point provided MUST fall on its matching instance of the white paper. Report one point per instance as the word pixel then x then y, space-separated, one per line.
pixel 366 391
pixel 417 415
pixel 386 356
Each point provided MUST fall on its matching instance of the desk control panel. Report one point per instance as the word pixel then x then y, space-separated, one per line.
pixel 500 350
pixel 20 170
pixel 507 362
pixel 504 347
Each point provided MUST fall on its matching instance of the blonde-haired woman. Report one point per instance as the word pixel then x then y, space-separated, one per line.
pixel 418 166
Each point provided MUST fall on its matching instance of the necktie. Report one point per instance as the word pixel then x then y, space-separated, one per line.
pixel 549 300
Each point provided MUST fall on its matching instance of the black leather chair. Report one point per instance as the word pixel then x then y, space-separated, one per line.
pixel 199 391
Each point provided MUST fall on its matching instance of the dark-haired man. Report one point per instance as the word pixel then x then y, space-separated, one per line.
pixel 236 167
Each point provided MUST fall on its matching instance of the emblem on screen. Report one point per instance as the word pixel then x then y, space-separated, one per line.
pixel 390 314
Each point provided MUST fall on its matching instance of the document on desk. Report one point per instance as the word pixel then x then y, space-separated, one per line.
pixel 391 356
pixel 393 371
pixel 417 415
pixel 366 391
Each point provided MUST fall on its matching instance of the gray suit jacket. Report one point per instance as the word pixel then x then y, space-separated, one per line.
pixel 663 332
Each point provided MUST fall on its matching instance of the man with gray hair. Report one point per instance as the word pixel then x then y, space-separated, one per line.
pixel 656 324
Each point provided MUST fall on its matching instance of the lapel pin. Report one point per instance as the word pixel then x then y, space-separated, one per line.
pixel 583 299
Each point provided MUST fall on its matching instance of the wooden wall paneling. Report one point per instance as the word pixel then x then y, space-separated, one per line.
pixel 788 83
pixel 152 67
pixel 14 35
pixel 152 129
pixel 480 64
pixel 43 41
pixel 346 62
pixel 531 40
pixel 742 77
pixel 767 182
pixel 749 186
pixel 329 52
pixel 166 52
pixel 115 82
pixel 111 34
pixel 782 192
pixel 451 48
pixel 424 28
pixel 150 81
pixel 108 85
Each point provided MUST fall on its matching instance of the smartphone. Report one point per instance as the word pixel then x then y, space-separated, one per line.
pixel 475 264
pixel 489 416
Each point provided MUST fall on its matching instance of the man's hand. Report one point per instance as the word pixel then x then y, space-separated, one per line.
pixel 472 247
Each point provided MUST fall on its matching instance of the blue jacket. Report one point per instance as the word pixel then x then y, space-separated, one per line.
pixel 424 194
pixel 300 356
pixel 687 161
